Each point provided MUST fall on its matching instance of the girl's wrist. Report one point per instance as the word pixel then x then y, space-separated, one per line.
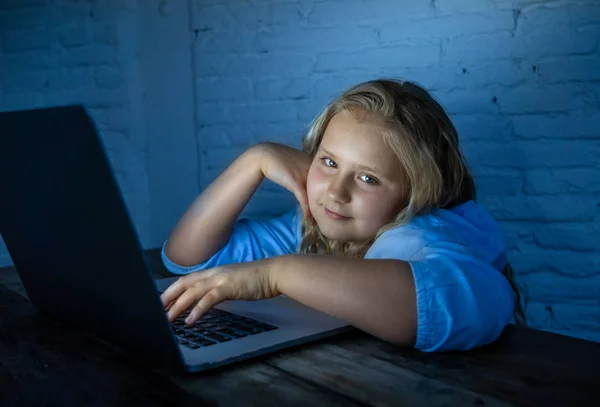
pixel 253 158
pixel 278 269
pixel 260 154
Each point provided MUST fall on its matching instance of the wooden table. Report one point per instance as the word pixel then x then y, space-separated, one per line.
pixel 43 363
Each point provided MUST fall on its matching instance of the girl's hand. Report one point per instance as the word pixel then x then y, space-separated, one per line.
pixel 287 167
pixel 205 289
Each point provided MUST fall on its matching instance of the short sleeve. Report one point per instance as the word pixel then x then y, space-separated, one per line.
pixel 250 240
pixel 462 301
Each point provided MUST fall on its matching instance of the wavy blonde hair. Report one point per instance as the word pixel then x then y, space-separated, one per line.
pixel 425 141
pixel 418 130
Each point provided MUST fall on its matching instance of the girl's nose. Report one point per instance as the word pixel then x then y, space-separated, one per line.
pixel 338 190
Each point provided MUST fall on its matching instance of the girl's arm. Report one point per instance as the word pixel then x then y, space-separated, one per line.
pixel 377 296
pixel 374 295
pixel 207 224
pixel 463 301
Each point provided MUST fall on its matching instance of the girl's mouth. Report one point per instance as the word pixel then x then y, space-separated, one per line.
pixel 335 215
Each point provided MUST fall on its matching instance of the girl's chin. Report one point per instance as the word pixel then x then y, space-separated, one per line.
pixel 335 234
pixel 340 235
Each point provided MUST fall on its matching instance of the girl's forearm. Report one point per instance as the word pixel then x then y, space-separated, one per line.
pixel 207 224
pixel 376 296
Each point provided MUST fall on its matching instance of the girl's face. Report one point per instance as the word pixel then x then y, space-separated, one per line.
pixel 355 183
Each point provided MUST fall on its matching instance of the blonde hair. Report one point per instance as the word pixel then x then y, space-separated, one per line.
pixel 421 134
pixel 418 130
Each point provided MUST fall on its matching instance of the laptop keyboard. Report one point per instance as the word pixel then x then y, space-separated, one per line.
pixel 216 326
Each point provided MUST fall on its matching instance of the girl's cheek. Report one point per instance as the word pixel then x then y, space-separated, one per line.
pixel 315 179
pixel 378 204
pixel 311 183
pixel 390 209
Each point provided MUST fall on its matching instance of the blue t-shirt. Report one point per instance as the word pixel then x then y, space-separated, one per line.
pixel 456 257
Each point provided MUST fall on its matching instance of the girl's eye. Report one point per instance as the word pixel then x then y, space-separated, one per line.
pixel 330 163
pixel 368 179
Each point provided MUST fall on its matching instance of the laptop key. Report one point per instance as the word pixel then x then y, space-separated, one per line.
pixel 218 313
pixel 198 329
pixel 205 342
pixel 245 320
pixel 264 327
pixel 244 328
pixel 217 337
pixel 231 332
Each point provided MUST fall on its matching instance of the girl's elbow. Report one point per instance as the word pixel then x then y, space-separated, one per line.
pixel 407 336
pixel 399 334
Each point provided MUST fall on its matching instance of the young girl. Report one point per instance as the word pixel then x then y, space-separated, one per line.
pixel 390 238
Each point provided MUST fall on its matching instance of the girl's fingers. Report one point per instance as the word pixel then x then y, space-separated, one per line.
pixel 307 213
pixel 172 293
pixel 302 198
pixel 183 283
pixel 208 301
pixel 182 303
pixel 192 295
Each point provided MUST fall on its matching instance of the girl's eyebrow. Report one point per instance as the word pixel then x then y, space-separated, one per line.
pixel 374 170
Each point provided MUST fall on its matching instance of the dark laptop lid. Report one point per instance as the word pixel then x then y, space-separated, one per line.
pixel 68 231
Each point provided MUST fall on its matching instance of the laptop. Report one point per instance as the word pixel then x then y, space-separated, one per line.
pixel 72 241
